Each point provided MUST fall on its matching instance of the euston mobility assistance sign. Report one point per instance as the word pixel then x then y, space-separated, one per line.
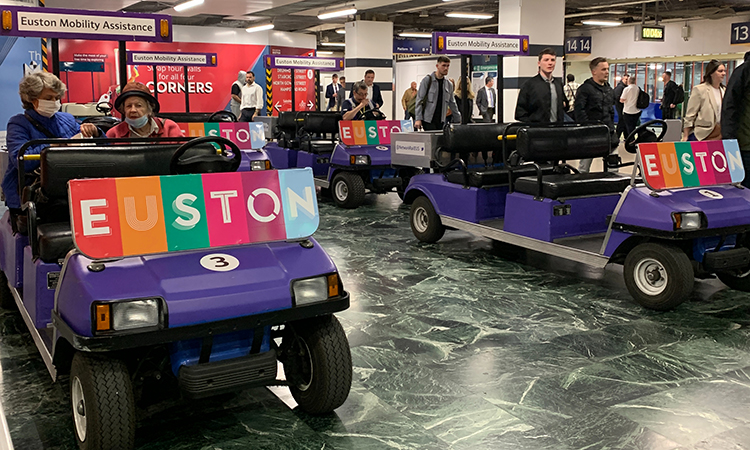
pixel 479 44
pixel 304 62
pixel 82 24
pixel 172 59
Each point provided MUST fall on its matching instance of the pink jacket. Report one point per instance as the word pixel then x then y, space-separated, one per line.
pixel 167 128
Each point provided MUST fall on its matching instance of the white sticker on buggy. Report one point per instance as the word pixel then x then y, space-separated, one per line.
pixel 220 262
pixel 710 194
pixel 410 148
pixel 382 148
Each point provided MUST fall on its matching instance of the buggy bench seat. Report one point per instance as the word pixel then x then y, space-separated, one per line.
pixel 543 144
pixel 62 164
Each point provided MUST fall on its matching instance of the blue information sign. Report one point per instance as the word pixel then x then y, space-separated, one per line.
pixel 412 46
pixel 740 33
pixel 578 45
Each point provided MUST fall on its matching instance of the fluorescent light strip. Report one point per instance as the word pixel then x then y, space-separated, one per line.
pixel 324 52
pixel 264 27
pixel 460 15
pixel 416 35
pixel 594 13
pixel 340 31
pixel 339 13
pixel 602 23
pixel 187 5
pixel 333 44
pixel 617 5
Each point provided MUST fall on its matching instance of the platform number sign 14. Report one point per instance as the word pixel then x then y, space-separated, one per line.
pixel 579 45
pixel 740 33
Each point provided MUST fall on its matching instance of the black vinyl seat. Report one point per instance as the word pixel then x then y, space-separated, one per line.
pixel 573 185
pixel 55 241
pixel 489 177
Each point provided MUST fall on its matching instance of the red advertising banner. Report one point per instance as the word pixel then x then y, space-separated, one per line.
pixel 281 80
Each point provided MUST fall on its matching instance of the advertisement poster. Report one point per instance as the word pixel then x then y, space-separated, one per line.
pixel 18 57
pixel 304 84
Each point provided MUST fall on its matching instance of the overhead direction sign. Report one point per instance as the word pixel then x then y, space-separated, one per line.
pixel 83 24
pixel 479 44
pixel 304 62
pixel 172 59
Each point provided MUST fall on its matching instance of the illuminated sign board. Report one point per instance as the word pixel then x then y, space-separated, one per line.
pixel 479 44
pixel 649 33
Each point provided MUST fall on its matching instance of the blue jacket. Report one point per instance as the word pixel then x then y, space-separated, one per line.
pixel 20 131
pixel 329 94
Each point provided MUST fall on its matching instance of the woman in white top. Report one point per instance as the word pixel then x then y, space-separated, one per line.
pixel 703 117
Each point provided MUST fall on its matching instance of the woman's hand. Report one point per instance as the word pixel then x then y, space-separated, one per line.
pixel 89 130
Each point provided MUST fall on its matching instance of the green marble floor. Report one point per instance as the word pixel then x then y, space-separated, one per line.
pixel 457 348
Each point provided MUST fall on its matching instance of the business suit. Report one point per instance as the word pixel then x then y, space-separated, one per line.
pixel 376 99
pixel 485 109
pixel 331 89
pixel 701 111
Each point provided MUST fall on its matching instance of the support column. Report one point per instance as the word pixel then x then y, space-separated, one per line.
pixel 369 45
pixel 544 22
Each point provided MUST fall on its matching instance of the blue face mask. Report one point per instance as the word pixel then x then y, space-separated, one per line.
pixel 137 123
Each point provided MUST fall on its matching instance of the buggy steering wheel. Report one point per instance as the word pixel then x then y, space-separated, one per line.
pixel 104 108
pixel 206 162
pixel 643 134
pixel 222 116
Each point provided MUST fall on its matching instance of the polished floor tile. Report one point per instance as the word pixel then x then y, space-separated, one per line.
pixel 455 347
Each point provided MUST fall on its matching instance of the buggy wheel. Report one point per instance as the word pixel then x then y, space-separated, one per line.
pixel 6 298
pixel 101 395
pixel 737 280
pixel 425 223
pixel 658 276
pixel 318 364
pixel 348 190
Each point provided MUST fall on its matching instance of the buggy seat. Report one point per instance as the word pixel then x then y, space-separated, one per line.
pixel 544 144
pixel 49 217
pixel 318 130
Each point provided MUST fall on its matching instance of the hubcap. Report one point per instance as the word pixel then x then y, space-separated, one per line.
pixel 650 276
pixel 421 220
pixel 79 408
pixel 342 191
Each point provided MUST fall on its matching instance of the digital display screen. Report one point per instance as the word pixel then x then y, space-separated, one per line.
pixel 652 33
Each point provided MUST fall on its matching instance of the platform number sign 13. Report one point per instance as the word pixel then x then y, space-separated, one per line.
pixel 740 33
pixel 579 45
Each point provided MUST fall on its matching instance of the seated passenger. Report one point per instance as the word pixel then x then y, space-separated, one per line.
pixel 40 95
pixel 137 106
pixel 355 108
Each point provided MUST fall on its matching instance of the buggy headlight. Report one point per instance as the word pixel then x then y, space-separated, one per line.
pixel 359 160
pixel 311 290
pixel 689 221
pixel 127 315
pixel 260 165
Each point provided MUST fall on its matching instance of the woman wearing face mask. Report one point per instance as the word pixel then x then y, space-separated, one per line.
pixel 137 106
pixel 40 95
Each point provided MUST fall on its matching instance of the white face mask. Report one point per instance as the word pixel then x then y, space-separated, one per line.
pixel 48 108
pixel 137 123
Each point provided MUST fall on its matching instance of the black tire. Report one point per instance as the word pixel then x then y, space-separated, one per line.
pixel 100 389
pixel 348 190
pixel 658 276
pixel 425 223
pixel 318 364
pixel 6 298
pixel 406 175
pixel 739 281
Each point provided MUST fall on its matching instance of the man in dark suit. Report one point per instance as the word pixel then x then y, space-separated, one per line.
pixel 487 100
pixel 669 100
pixel 373 91
pixel 332 92
pixel 541 98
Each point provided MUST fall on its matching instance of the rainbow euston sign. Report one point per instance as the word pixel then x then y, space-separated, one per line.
pixel 247 135
pixel 672 165
pixel 116 217
pixel 371 132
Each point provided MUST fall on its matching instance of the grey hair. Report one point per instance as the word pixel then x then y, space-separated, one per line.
pixel 32 85
pixel 359 85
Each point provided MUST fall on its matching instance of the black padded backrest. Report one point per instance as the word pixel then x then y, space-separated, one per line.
pixel 320 122
pixel 186 117
pixel 476 137
pixel 62 164
pixel 287 122
pixel 563 143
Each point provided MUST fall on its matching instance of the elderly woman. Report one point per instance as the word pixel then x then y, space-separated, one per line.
pixel 137 106
pixel 40 95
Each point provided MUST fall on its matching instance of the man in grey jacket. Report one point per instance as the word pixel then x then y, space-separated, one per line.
pixel 434 97
pixel 486 100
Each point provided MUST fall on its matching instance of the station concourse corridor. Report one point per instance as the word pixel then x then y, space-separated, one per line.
pixel 457 348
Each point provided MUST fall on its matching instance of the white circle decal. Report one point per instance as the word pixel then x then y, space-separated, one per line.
pixel 710 194
pixel 220 262
pixel 382 147
pixel 310 74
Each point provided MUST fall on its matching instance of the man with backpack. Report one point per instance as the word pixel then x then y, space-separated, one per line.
pixel 671 97
pixel 631 112
pixel 435 97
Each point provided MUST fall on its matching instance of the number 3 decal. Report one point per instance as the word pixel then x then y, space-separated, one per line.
pixel 220 262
